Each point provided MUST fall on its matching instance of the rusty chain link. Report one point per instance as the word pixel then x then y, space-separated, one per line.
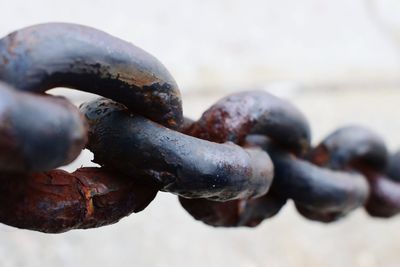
pixel 237 165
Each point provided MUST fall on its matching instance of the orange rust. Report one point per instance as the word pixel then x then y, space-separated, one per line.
pixel 58 201
pixel 89 202
pixel 320 155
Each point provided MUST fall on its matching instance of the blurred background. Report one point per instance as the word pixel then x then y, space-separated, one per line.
pixel 338 61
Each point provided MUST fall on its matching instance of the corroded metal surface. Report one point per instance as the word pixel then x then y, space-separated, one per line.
pixel 320 194
pixel 254 112
pixel 181 164
pixel 236 166
pixel 38 132
pixel 234 118
pixel 57 201
pixel 234 213
pixel 358 148
pixel 51 55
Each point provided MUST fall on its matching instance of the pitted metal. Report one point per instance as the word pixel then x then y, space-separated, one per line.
pixel 358 148
pixel 180 164
pixel 280 129
pixel 237 165
pixel 50 55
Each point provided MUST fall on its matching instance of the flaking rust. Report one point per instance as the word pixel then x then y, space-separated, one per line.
pixel 254 112
pixel 41 132
pixel 57 201
pixel 50 55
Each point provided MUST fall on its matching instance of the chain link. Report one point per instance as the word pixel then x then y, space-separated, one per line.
pixel 237 165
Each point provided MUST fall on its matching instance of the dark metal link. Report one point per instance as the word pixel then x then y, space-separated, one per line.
pixel 393 168
pixel 57 201
pixel 236 166
pixel 233 213
pixel 181 164
pixel 233 118
pixel 360 149
pixel 50 55
pixel 319 194
pixel 254 112
pixel 37 132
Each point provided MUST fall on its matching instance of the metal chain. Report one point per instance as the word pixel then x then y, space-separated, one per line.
pixel 236 166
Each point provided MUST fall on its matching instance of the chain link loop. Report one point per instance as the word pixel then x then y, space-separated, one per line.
pixel 237 165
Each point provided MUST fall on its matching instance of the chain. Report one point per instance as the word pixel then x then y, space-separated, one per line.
pixel 237 165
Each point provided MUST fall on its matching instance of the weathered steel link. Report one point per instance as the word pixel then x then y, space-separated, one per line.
pixel 320 194
pixel 57 201
pixel 236 166
pixel 233 118
pixel 181 164
pixel 360 149
pixel 37 132
pixel 393 169
pixel 45 56
pixel 254 112
pixel 233 213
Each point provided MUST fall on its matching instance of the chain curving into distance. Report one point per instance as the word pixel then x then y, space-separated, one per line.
pixel 237 165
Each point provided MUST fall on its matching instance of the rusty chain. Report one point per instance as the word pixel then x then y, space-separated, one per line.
pixel 236 166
